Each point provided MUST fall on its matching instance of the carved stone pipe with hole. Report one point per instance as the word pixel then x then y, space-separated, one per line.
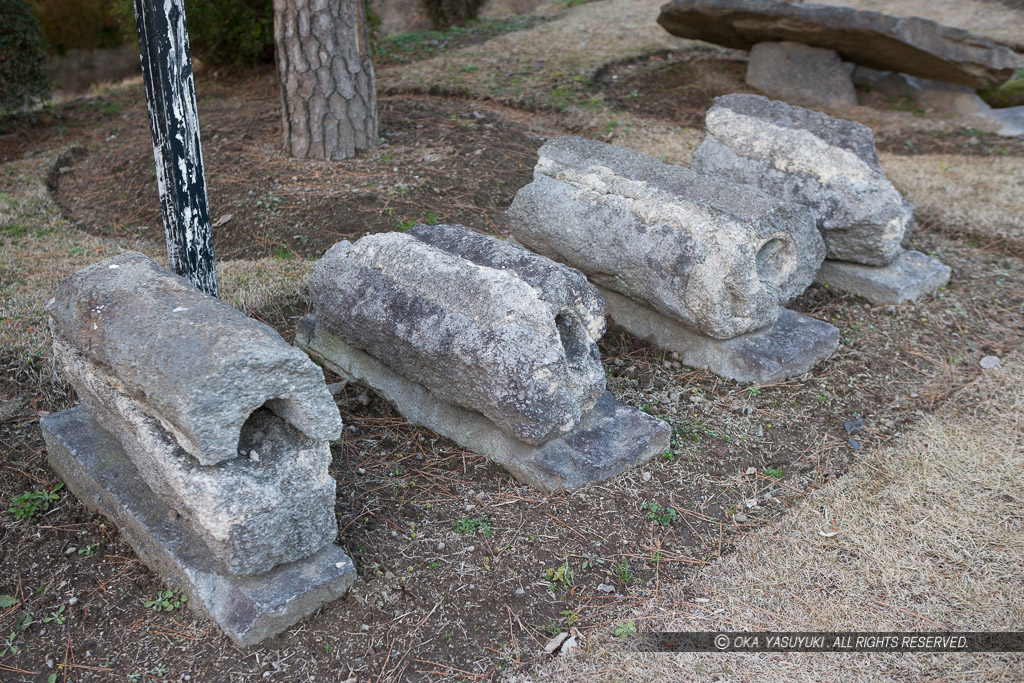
pixel 226 422
pixel 481 323
pixel 193 362
pixel 717 257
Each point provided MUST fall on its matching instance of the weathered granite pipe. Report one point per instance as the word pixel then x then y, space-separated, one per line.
pixel 185 382
pixel 193 362
pixel 715 256
pixel 481 323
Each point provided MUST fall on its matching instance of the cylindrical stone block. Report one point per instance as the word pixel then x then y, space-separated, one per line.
pixel 716 256
pixel 826 164
pixel 483 324
pixel 193 362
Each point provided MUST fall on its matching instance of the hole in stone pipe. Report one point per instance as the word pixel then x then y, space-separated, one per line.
pixel 256 427
pixel 572 337
pixel 770 260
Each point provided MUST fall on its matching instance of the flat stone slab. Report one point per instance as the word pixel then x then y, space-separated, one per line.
pixel 912 45
pixel 248 609
pixel 790 347
pixel 608 440
pixel 912 276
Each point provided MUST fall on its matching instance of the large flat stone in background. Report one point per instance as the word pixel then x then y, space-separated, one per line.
pixel 790 347
pixel 608 440
pixel 910 277
pixel 911 45
pixel 248 609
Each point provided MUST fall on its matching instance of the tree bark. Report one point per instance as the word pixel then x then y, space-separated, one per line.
pixel 323 59
pixel 174 123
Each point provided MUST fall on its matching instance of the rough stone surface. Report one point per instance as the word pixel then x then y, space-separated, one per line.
pixel 828 165
pixel 800 74
pixel 912 45
pixel 791 346
pixel 248 608
pixel 609 439
pixel 713 255
pixel 936 96
pixel 910 277
pixel 192 361
pixel 484 324
pixel 251 515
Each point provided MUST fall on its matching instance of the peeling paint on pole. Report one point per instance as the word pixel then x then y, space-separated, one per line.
pixel 174 122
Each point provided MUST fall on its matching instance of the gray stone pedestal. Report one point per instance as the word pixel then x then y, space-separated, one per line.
pixel 911 276
pixel 610 438
pixel 790 347
pixel 249 609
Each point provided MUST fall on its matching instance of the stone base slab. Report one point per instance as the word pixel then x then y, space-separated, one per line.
pixel 908 278
pixel 790 347
pixel 248 609
pixel 608 440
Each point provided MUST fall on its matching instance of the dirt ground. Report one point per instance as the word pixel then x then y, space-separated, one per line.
pixel 464 573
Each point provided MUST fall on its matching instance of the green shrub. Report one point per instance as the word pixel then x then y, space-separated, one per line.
pixel 445 13
pixel 221 32
pixel 70 24
pixel 23 76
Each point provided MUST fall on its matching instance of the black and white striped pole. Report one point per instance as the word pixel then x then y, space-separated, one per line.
pixel 174 122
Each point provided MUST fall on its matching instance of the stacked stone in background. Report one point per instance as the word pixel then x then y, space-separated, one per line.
pixel 205 437
pixel 690 262
pixel 796 48
pixel 830 166
pixel 485 343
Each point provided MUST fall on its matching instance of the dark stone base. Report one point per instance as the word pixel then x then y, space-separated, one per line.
pixel 790 347
pixel 248 609
pixel 609 439
pixel 908 278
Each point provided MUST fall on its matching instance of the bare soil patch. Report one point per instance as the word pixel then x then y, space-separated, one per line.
pixel 442 160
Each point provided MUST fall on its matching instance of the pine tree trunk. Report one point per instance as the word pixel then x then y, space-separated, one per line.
pixel 174 123
pixel 327 91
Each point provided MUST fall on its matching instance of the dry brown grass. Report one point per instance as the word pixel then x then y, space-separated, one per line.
pixel 38 248
pixel 981 196
pixel 929 538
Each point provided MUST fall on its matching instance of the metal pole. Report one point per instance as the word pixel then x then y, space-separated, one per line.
pixel 171 99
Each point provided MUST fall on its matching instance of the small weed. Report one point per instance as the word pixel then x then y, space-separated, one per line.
pixel 283 253
pixel 662 515
pixel 31 502
pixel 591 562
pixel 622 571
pixel 270 202
pixel 167 601
pixel 433 565
pixel 754 391
pixel 624 629
pixel 88 550
pixel 470 525
pixel 56 615
pixel 432 218
pixel 571 618
pixel 562 576
pixel 403 225
pixel 773 472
